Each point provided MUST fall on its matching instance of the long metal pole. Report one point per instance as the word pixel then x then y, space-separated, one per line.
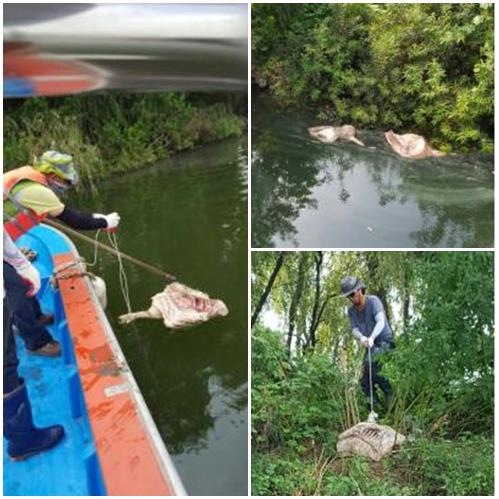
pixel 151 268
pixel 370 378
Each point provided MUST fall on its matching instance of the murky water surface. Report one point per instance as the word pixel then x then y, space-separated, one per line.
pixel 309 194
pixel 189 217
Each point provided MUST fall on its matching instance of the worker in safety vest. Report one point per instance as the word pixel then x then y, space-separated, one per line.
pixel 370 327
pixel 31 194
pixel 24 438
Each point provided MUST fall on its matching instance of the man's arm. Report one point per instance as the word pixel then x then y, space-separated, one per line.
pixel 13 256
pixel 80 220
pixel 43 200
pixel 380 325
pixel 357 334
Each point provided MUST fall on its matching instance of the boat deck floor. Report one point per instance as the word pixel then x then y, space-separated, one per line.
pixel 67 468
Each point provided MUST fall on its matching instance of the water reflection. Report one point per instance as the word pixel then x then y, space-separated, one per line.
pixel 309 194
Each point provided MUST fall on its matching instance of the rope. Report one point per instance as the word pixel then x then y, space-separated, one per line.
pixel 113 241
pixel 96 249
pixel 60 271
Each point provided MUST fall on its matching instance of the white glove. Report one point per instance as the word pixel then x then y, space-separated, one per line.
pixel 370 342
pixel 364 340
pixel 112 220
pixel 30 277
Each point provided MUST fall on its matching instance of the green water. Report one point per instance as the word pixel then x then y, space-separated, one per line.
pixel 312 195
pixel 189 217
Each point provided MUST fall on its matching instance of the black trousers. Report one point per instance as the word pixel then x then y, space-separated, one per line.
pixel 10 362
pixel 379 381
pixel 25 311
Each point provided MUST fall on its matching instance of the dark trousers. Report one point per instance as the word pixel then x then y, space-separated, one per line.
pixel 24 310
pixel 10 362
pixel 377 380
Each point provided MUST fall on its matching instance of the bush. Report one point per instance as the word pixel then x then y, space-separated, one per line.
pixel 281 475
pixel 294 404
pixel 425 68
pixel 116 132
pixel 461 467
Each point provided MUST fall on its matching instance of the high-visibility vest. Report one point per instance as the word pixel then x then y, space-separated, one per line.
pixel 25 218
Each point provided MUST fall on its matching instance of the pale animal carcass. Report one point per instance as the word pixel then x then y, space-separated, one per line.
pixel 330 134
pixel 410 145
pixel 180 306
pixel 370 440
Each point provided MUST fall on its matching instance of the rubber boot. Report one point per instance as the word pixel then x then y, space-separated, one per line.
pixel 24 438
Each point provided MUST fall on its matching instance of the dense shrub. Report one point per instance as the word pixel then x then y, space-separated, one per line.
pixel 425 68
pixel 444 362
pixel 459 467
pixel 117 132
pixel 298 403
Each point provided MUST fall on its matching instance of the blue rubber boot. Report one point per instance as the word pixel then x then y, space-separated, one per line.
pixel 24 438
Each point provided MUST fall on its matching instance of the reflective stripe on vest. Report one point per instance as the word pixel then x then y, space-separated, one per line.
pixel 25 219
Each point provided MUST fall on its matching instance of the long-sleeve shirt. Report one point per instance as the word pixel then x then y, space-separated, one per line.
pixel 12 254
pixel 370 321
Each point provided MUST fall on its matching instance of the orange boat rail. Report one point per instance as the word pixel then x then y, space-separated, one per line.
pixel 130 461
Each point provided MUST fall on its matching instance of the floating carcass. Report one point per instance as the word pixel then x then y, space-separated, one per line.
pixel 330 134
pixel 180 306
pixel 370 440
pixel 410 145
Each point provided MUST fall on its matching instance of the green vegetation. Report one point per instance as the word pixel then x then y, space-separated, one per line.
pixel 305 389
pixel 424 68
pixel 118 132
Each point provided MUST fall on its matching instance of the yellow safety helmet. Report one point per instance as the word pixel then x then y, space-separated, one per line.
pixel 59 164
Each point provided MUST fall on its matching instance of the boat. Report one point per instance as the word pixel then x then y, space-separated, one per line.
pixel 112 445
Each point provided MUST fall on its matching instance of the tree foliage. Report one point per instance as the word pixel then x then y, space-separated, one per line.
pixel 116 132
pixel 425 68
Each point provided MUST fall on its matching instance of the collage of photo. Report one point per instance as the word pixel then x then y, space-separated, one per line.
pixel 248 249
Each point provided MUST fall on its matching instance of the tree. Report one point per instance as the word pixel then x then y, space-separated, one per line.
pixel 268 288
pixel 296 297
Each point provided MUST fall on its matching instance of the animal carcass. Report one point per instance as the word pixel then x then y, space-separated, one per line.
pixel 180 306
pixel 330 134
pixel 410 145
pixel 370 440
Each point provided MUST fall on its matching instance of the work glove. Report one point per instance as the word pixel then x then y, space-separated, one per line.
pixel 112 220
pixel 30 277
pixel 364 341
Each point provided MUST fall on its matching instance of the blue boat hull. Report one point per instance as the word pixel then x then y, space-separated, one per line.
pixel 60 392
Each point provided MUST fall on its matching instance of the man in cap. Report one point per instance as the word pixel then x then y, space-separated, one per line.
pixel 370 327
pixel 31 194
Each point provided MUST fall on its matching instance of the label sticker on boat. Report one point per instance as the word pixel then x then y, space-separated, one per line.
pixel 111 391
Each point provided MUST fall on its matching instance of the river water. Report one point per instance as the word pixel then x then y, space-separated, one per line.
pixel 187 216
pixel 310 195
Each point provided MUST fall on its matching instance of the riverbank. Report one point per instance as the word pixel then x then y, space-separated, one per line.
pixel 114 133
pixel 420 68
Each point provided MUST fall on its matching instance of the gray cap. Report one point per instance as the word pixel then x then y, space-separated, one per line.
pixel 350 284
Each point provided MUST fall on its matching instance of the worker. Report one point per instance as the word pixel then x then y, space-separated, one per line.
pixel 370 327
pixel 31 194
pixel 24 438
